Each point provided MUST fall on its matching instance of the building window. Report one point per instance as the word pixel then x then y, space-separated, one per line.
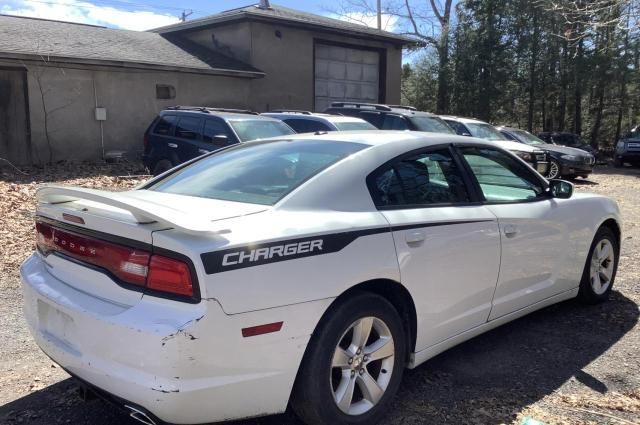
pixel 164 91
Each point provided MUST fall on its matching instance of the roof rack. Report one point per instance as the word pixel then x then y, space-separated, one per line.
pixel 409 108
pixel 208 109
pixel 291 111
pixel 375 106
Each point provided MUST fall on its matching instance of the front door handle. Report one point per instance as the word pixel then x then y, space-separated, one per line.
pixel 414 236
pixel 172 145
pixel 510 230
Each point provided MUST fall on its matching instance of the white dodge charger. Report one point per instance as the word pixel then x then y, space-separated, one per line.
pixel 309 270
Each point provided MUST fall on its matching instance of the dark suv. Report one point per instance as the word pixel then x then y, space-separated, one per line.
pixel 181 133
pixel 391 117
pixel 628 149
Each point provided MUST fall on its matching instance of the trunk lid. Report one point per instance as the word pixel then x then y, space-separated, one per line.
pixel 85 217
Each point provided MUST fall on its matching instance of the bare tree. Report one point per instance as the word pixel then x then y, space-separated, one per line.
pixel 39 71
pixel 584 18
pixel 429 21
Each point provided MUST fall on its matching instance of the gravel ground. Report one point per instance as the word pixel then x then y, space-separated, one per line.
pixel 566 364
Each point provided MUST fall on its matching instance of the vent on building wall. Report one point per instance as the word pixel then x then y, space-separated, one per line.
pixel 164 91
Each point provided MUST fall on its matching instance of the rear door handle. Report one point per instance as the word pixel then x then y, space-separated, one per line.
pixel 172 145
pixel 510 230
pixel 414 236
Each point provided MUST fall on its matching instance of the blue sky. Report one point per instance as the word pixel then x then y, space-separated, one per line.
pixel 140 14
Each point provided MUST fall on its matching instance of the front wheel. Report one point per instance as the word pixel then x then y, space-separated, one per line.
pixel 353 365
pixel 601 267
pixel 554 170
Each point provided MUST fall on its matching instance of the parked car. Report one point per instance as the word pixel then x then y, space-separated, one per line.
pixel 471 127
pixel 308 122
pixel 568 139
pixel 181 133
pixel 564 161
pixel 309 271
pixel 628 149
pixel 391 117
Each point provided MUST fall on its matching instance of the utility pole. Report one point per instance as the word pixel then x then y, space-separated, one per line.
pixel 185 14
pixel 379 15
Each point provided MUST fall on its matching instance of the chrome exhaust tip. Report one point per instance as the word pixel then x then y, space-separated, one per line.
pixel 140 416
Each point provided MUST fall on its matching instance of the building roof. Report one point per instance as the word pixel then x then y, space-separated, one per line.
pixel 56 41
pixel 284 15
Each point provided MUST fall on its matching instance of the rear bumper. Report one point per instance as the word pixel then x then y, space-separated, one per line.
pixel 182 363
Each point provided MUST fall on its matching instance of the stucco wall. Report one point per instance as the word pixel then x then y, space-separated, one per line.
pixel 288 61
pixel 70 96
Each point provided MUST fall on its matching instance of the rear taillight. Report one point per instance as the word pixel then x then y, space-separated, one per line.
pixel 169 275
pixel 129 265
pixel 145 141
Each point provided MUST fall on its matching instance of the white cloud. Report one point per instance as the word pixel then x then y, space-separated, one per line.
pixel 389 22
pixel 88 13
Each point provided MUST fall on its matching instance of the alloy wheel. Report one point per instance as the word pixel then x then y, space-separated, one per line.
pixel 602 266
pixel 362 365
pixel 554 170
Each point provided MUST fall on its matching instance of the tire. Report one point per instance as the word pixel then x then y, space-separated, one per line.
pixel 319 383
pixel 617 162
pixel 554 170
pixel 162 166
pixel 601 264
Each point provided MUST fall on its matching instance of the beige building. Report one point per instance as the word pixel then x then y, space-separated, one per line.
pixel 74 92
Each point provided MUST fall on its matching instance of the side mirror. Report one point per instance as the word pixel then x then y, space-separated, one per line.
pixel 561 189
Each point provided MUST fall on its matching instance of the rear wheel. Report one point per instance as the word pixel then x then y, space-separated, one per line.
pixel 162 166
pixel 600 269
pixel 353 365
pixel 617 162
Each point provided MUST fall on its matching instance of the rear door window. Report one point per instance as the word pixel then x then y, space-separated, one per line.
pixel 418 180
pixel 217 132
pixel 189 128
pixel 375 118
pixel 394 122
pixel 164 126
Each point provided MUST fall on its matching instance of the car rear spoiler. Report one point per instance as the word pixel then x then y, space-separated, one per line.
pixel 139 209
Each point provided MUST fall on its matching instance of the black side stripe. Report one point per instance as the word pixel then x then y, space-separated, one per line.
pixel 291 249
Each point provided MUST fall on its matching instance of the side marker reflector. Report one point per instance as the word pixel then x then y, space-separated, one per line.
pixel 262 329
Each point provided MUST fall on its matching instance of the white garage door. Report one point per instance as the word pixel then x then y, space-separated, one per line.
pixel 344 74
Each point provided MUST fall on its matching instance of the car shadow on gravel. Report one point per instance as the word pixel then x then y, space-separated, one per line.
pixel 485 380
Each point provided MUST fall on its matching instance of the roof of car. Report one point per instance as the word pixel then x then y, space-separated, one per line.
pixel 505 128
pixel 313 116
pixel 383 137
pixel 226 113
pixel 392 110
pixel 463 119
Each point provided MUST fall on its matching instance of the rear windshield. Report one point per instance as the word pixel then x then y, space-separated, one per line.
pixel 431 124
pixel 261 173
pixel 259 129
pixel 354 125
pixel 485 131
